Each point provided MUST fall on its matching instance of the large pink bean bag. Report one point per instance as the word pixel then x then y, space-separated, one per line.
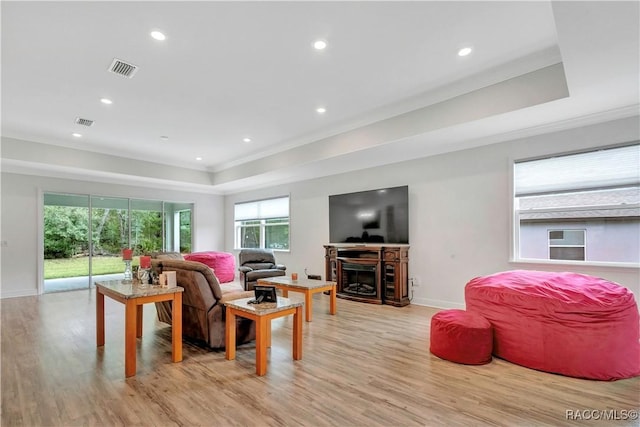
pixel 565 323
pixel 222 263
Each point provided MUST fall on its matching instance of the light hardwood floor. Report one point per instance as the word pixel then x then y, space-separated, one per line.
pixel 367 366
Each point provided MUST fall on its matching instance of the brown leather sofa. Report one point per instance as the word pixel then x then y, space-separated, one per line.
pixel 203 310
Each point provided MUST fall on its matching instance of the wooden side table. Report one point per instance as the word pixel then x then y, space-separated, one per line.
pixel 306 286
pixel 133 297
pixel 262 315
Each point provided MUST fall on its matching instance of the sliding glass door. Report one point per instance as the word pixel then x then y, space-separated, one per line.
pixel 110 233
pixel 66 242
pixel 178 225
pixel 146 226
pixel 84 235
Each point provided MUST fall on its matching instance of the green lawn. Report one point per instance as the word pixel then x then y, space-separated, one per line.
pixel 75 267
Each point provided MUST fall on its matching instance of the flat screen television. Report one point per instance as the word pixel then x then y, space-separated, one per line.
pixel 374 216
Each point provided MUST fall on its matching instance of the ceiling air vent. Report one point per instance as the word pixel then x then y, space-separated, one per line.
pixel 84 122
pixel 122 68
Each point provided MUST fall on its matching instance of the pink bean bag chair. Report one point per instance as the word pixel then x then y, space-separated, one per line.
pixel 222 263
pixel 461 337
pixel 565 323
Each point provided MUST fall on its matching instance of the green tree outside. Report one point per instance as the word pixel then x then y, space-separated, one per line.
pixel 66 228
pixel 65 231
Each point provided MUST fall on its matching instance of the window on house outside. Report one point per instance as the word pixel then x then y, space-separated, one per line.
pixel 262 224
pixel 579 207
pixel 566 244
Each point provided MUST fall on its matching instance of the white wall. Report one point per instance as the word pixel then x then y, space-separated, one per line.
pixel 20 194
pixel 459 212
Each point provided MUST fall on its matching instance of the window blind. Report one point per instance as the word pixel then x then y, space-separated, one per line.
pixel 262 209
pixel 594 170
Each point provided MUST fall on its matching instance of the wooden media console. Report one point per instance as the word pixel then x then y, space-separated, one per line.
pixel 377 274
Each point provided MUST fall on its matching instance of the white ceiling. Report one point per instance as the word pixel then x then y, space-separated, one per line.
pixel 390 79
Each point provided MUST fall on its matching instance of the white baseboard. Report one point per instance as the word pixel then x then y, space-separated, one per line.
pixel 17 294
pixel 437 303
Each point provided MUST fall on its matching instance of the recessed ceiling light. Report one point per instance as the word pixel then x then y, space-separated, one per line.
pixel 198 158
pixel 464 51
pixel 77 135
pixel 164 137
pixel 319 44
pixel 246 139
pixel 106 101
pixel 158 35
pixel 321 110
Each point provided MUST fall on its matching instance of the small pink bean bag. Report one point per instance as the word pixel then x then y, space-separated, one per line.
pixel 461 337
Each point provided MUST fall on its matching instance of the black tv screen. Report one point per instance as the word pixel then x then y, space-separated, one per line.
pixel 374 216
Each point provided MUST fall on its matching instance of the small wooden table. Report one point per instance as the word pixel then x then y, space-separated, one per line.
pixel 308 287
pixel 133 297
pixel 262 315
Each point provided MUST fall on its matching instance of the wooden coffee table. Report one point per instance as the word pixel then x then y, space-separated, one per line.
pixel 306 286
pixel 133 297
pixel 262 315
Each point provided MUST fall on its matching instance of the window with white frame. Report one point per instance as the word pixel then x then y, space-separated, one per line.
pixel 579 207
pixel 262 224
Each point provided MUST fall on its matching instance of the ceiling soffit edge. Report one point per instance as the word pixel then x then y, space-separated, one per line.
pixel 63 172
pixel 533 88
pixel 35 153
pixel 442 92
pixel 305 173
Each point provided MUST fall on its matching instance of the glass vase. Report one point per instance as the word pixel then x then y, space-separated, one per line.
pixel 144 276
pixel 128 275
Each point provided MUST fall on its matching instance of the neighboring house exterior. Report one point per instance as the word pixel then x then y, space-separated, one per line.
pixel 599 226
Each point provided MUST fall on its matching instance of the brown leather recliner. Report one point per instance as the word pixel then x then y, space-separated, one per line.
pixel 203 310
pixel 258 264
